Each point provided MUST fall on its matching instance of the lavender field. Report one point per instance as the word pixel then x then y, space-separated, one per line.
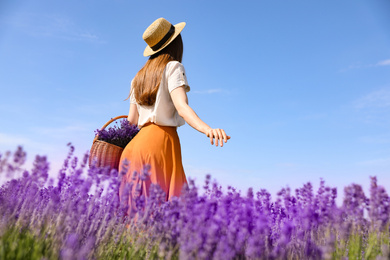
pixel 79 216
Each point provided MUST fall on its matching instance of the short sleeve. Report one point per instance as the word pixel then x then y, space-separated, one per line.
pixel 176 76
pixel 132 96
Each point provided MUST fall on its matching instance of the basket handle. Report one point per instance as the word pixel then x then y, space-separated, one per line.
pixel 106 124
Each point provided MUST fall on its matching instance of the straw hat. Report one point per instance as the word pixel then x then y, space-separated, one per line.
pixel 159 34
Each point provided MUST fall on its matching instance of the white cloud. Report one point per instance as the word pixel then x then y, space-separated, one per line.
pixel 89 36
pixel 383 63
pixel 352 67
pixel 11 141
pixel 8 139
pixel 51 25
pixel 379 99
pixel 359 65
pixel 374 108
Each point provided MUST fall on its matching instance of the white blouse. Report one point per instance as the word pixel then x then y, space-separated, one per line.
pixel 163 112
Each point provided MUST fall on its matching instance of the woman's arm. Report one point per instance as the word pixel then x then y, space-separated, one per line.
pixel 133 114
pixel 180 101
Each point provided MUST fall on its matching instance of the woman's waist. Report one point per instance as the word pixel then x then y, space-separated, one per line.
pixel 166 128
pixel 163 121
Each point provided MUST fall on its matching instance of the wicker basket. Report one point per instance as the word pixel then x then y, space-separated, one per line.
pixel 104 153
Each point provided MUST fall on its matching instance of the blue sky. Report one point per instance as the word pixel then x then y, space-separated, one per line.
pixel 303 87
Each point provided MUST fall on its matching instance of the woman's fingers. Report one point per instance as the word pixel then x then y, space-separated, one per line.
pixel 224 136
pixel 216 137
pixel 219 135
pixel 215 134
pixel 211 135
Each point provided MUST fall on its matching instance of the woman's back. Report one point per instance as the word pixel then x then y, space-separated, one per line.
pixel 163 111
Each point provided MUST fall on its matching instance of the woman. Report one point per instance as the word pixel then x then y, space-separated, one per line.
pixel 158 104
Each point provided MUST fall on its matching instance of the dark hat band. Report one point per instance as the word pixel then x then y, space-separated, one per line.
pixel 164 39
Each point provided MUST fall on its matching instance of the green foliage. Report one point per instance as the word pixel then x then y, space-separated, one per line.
pixel 355 247
pixel 129 245
pixel 378 244
pixel 23 244
pixel 374 245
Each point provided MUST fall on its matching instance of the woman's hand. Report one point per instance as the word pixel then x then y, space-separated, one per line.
pixel 219 135
pixel 180 101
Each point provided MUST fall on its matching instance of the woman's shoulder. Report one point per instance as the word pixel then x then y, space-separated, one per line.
pixel 173 65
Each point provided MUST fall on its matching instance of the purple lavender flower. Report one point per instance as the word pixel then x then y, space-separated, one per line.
pixel 119 136
pixel 354 203
pixel 379 204
pixel 19 156
pixel 82 217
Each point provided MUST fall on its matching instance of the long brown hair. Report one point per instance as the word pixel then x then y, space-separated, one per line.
pixel 147 81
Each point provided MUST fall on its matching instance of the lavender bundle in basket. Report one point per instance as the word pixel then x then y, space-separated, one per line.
pixel 119 136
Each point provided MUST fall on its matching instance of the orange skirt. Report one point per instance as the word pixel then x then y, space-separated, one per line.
pixel 158 147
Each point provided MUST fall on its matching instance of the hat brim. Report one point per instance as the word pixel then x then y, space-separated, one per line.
pixel 178 28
